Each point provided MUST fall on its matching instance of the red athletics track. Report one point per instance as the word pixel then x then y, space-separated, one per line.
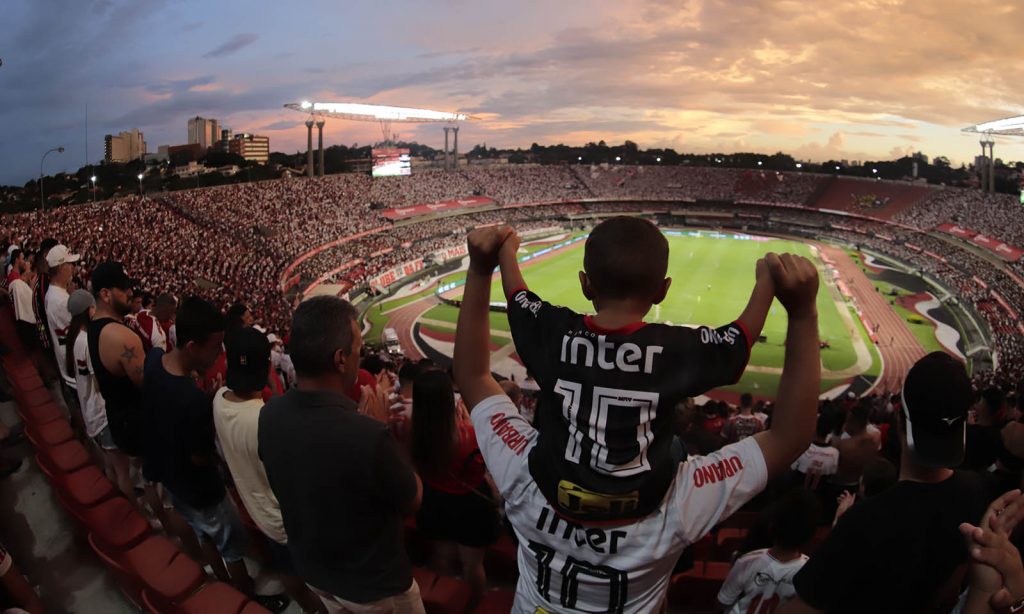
pixel 897 345
pixel 403 319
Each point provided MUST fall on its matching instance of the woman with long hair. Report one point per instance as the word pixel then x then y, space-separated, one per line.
pixel 459 507
pixel 82 306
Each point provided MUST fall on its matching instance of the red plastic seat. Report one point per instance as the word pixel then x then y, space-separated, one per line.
pixel 87 486
pixel 163 568
pixel 155 566
pixel 24 380
pixel 31 398
pixel 49 434
pixel 116 523
pixel 40 414
pixel 66 457
pixel 496 602
pixel 214 598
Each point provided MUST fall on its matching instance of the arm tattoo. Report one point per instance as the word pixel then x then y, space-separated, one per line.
pixel 128 355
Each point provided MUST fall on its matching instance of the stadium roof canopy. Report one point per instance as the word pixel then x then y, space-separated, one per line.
pixel 1011 126
pixel 374 112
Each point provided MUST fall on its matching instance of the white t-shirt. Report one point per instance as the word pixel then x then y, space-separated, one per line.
pixel 759 583
pixel 818 460
pixel 59 318
pixel 237 425
pixel 570 567
pixel 21 296
pixel 94 408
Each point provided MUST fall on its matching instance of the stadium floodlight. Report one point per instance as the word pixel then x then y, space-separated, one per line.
pixel 376 112
pixel 658 159
pixel 580 158
pixel 618 159
pixel 1010 125
pixel 837 167
pixel 875 171
pixel 799 165
pixel 759 163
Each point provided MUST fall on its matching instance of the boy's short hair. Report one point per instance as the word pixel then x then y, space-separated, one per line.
pixel 626 257
pixel 794 518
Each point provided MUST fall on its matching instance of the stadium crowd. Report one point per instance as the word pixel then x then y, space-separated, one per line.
pixel 219 254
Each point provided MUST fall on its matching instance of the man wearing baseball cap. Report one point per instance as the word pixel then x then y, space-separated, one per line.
pixel 61 264
pixel 236 418
pixel 896 550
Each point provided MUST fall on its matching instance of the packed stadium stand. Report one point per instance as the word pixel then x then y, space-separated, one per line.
pixel 266 244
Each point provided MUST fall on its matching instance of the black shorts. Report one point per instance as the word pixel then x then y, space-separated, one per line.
pixel 467 519
pixel 28 334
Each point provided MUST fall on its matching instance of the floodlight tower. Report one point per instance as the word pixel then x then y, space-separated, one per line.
pixel 320 143
pixel 309 147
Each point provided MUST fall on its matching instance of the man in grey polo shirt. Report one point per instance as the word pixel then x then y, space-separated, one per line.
pixel 342 482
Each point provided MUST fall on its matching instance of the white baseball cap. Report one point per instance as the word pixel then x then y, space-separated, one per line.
pixel 59 255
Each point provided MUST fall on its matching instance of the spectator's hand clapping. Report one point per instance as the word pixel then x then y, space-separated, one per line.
pixel 996 568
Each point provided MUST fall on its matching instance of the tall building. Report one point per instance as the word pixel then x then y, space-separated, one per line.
pixel 124 147
pixel 251 147
pixel 203 132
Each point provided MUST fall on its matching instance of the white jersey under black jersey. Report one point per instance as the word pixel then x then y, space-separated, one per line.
pixel 607 400
pixel 567 566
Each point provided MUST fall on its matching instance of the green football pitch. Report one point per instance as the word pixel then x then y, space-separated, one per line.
pixel 712 277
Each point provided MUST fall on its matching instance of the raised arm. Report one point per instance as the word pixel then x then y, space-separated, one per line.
pixel 511 276
pixel 471 362
pixel 760 302
pixel 796 285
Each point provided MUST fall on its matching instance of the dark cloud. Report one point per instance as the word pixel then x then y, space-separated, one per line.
pixel 232 46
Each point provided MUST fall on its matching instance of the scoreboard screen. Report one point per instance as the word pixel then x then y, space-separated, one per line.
pixel 391 162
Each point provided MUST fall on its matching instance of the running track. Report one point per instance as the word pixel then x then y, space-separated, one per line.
pixel 898 346
pixel 403 321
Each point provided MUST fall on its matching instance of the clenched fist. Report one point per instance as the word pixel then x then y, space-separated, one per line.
pixel 796 282
pixel 484 245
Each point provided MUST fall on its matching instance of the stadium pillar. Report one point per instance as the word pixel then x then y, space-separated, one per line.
pixel 309 148
pixel 446 147
pixel 991 167
pixel 455 149
pixel 320 145
pixel 981 168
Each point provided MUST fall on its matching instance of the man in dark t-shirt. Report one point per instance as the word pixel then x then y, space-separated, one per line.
pixel 342 482
pixel 895 551
pixel 180 447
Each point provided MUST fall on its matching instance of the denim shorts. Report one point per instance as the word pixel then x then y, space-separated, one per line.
pixel 218 523
pixel 104 439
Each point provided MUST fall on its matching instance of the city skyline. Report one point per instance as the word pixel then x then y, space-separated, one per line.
pixel 875 79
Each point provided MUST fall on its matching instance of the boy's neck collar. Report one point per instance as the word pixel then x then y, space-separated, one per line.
pixel 612 325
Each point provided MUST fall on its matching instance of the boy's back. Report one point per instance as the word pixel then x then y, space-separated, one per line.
pixel 609 383
pixel 607 400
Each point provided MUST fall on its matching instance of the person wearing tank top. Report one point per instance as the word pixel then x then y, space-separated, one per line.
pixel 117 357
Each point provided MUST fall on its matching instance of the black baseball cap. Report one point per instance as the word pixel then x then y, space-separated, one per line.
pixel 936 397
pixel 248 353
pixel 110 274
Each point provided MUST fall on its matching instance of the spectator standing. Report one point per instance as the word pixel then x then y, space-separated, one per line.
pixel 762 579
pixel 855 450
pixel 61 265
pixel 459 508
pixel 180 448
pixel 342 481
pixel 82 307
pixel 146 325
pixel 745 423
pixel 915 522
pixel 236 414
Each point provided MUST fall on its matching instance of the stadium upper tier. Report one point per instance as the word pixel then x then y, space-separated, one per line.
pixel 235 242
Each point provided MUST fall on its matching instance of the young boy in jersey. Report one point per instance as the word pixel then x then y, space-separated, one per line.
pixel 609 382
pixel 762 580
